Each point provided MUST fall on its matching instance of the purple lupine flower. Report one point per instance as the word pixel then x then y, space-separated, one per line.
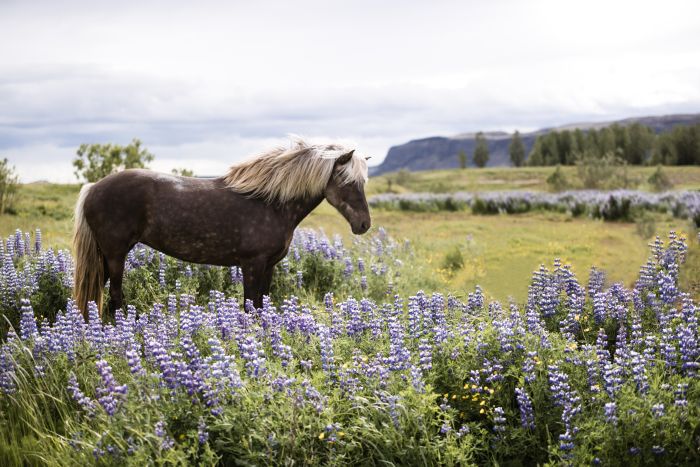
pixel 566 442
pixel 27 324
pixel 312 396
pixel 254 356
pixel 164 362
pixel 95 335
pixel 475 300
pixel 681 395
pixel 602 348
pixel 415 325
pixel 527 414
pixel 425 354
pixel 639 372
pixel 202 432
pixel 167 442
pixel 355 325
pixel 347 272
pixel 236 273
pixel 658 410
pixel 37 241
pixel 612 378
pixel 445 428
pixel 399 355
pixel 611 413
pixel 528 367
pixel 596 281
pixel 109 393
pixel 327 356
pixel 133 358
pixel 499 420
pixel 83 401
pixel 416 379
pixel 687 335
pixel 161 270
pixel 393 409
pixel 7 367
pixel 657 450
pixel 493 371
pixel 600 309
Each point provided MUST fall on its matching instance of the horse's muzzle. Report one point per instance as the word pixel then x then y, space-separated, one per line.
pixel 362 227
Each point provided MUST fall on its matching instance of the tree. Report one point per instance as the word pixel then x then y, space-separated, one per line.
pixel 516 150
pixel 9 181
pixel 183 172
pixel 481 151
pixel 640 143
pixel 96 161
pixel 462 159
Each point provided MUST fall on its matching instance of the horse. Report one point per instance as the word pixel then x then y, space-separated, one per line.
pixel 245 218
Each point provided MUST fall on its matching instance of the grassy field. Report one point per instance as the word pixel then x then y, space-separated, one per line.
pixel 579 376
pixel 497 252
pixel 508 178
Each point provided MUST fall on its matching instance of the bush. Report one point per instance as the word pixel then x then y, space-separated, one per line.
pixel 659 181
pixel 453 260
pixel 9 182
pixel 608 171
pixel 645 225
pixel 557 181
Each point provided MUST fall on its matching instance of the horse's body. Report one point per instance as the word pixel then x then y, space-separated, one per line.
pixel 211 221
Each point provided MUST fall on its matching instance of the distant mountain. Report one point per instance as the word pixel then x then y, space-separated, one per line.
pixel 440 152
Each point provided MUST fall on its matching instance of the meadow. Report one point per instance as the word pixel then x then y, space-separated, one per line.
pixel 439 338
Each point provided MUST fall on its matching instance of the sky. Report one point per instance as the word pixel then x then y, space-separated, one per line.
pixel 206 84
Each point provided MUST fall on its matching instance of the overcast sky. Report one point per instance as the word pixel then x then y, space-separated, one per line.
pixel 204 84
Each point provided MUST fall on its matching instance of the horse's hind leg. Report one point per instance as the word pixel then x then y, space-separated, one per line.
pixel 115 269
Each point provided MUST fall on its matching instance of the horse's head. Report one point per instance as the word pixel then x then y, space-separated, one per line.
pixel 347 195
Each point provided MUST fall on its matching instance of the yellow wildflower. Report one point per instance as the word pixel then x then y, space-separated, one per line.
pixel 322 435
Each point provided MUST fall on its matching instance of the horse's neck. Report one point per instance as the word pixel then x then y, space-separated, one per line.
pixel 298 209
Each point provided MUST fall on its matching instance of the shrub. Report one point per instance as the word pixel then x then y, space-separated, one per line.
pixel 453 260
pixel 557 181
pixel 659 181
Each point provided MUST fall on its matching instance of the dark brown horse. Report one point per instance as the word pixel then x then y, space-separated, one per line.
pixel 245 218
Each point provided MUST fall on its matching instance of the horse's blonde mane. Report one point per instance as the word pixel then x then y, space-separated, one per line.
pixel 299 171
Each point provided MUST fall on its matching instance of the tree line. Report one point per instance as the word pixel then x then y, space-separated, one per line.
pixel 634 144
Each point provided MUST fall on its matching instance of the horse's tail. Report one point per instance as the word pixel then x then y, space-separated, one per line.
pixel 89 264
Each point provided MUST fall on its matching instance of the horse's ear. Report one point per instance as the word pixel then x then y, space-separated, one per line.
pixel 345 158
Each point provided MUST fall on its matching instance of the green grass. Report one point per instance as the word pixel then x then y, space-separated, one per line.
pixel 500 252
pixel 47 206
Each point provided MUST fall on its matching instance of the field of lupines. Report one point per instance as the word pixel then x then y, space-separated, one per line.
pixel 608 205
pixel 338 369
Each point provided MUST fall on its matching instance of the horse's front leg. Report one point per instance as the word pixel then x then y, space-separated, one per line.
pixel 257 277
